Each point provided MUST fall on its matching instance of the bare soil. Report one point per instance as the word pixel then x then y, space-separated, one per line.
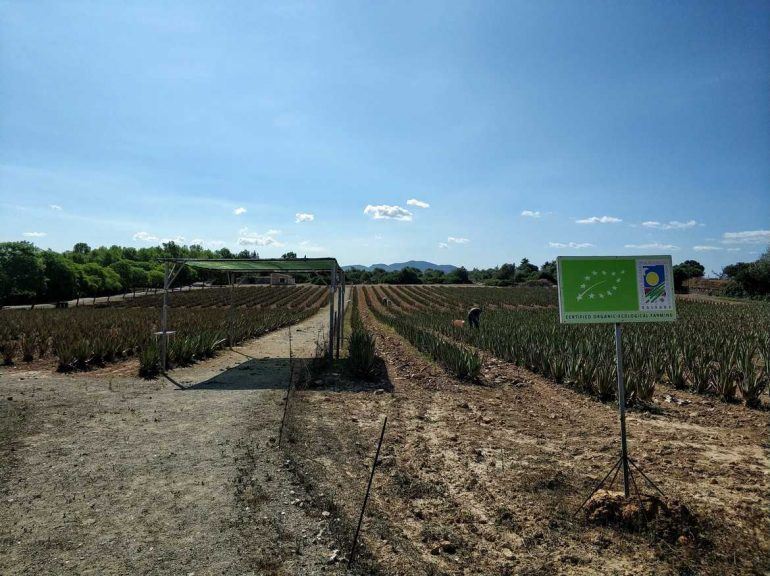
pixel 486 478
pixel 104 473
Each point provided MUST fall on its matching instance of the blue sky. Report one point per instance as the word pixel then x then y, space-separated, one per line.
pixel 519 128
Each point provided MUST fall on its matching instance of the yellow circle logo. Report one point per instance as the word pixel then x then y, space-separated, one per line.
pixel 652 278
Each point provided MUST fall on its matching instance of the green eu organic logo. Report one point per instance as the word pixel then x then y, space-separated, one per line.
pixel 599 285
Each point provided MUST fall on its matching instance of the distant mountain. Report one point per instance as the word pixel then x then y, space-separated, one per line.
pixel 421 265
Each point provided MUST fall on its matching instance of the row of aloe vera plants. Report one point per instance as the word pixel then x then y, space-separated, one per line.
pixel 459 360
pixel 362 359
pixel 81 338
pixel 712 348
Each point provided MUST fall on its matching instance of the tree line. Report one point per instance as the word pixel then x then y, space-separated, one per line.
pixel 29 274
pixel 505 275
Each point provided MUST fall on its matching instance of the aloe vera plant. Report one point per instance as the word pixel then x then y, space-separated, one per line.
pixel 752 377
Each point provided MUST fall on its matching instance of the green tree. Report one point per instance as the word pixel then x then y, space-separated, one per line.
pixel 123 269
pixel 750 278
pixel 431 276
pixel 548 271
pixel 405 276
pixel 155 279
pixel 60 277
pixel 526 271
pixel 686 270
pixel 81 248
pixel 290 256
pixel 23 277
pixel 506 274
pixel 458 276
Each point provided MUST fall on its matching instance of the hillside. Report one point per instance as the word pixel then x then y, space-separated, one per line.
pixel 421 265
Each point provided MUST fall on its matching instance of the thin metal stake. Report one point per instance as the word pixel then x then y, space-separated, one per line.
pixel 622 405
pixel 366 498
pixel 288 391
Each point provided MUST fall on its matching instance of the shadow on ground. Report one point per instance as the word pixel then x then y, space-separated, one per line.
pixel 273 374
pixel 339 379
pixel 254 374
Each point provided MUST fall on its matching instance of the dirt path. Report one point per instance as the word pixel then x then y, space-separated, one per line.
pixel 123 476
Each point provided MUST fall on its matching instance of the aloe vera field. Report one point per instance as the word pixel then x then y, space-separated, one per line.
pixel 204 321
pixel 495 436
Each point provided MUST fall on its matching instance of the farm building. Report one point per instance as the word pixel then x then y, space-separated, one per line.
pixel 274 279
pixel 708 286
pixel 277 279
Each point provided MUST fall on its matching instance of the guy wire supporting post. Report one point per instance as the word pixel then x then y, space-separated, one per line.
pixel 368 489
pixel 622 405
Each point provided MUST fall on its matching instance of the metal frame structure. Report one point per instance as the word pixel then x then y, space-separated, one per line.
pixel 233 266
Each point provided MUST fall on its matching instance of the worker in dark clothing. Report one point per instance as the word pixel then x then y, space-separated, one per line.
pixel 474 315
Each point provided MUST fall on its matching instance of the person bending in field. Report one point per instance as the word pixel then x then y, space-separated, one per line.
pixel 474 316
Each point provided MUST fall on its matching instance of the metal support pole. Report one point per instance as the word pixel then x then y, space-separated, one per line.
pixel 622 405
pixel 231 311
pixel 342 326
pixel 366 498
pixel 332 288
pixel 340 317
pixel 164 320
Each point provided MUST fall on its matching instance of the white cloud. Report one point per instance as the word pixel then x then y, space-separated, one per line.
pixel 248 238
pixel 671 225
pixel 197 242
pixel 706 248
pixel 55 207
pixel 733 249
pixel 531 213
pixel 240 210
pixel 453 240
pixel 599 220
pixel 652 246
pixel 215 243
pixel 576 245
pixel 34 234
pixel 385 212
pixel 145 237
pixel 273 232
pixel 443 245
pixel 304 217
pixel 747 237
pixel 418 203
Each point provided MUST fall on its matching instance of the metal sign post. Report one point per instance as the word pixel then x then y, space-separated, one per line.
pixel 622 405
